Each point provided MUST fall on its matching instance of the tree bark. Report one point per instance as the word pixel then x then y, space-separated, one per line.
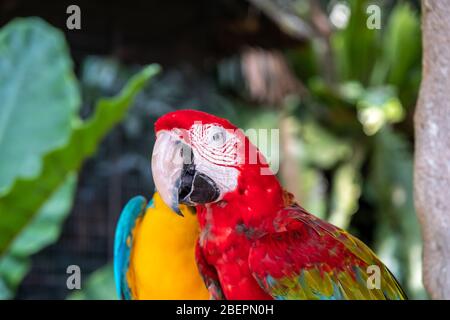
pixel 432 148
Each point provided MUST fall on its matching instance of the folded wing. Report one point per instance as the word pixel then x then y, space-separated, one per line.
pixel 309 258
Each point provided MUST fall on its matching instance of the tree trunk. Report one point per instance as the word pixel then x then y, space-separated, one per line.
pixel 432 148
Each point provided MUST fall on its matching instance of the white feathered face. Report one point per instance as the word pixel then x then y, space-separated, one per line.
pixel 196 166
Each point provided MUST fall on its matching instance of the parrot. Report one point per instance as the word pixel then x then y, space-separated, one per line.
pixel 256 241
pixel 154 252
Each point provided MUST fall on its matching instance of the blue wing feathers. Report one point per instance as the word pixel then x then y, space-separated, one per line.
pixel 134 209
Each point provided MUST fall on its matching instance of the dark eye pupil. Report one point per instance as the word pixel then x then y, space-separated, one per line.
pixel 217 136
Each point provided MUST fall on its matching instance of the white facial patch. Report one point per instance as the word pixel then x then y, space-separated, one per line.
pixel 216 153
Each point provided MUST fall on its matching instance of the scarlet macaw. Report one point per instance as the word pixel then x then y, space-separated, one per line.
pixel 154 252
pixel 255 241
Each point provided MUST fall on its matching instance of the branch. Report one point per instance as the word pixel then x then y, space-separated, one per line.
pixel 432 144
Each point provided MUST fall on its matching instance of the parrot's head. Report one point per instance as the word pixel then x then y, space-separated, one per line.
pixel 198 158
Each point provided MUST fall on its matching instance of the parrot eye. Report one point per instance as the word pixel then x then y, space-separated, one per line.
pixel 217 137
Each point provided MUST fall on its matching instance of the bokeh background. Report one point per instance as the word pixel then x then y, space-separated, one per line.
pixel 341 94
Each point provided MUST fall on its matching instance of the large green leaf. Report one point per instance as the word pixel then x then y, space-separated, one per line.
pixel 27 195
pixel 43 230
pixel 39 96
pixel 40 100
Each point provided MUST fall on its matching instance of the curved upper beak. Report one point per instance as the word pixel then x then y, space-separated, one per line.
pixel 175 175
pixel 165 168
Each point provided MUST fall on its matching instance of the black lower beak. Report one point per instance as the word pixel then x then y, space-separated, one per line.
pixel 196 187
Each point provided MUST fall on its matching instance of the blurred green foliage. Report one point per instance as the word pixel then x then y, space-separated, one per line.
pixel 43 141
pixel 26 51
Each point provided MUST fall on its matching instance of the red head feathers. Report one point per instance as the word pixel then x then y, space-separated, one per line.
pixel 184 119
